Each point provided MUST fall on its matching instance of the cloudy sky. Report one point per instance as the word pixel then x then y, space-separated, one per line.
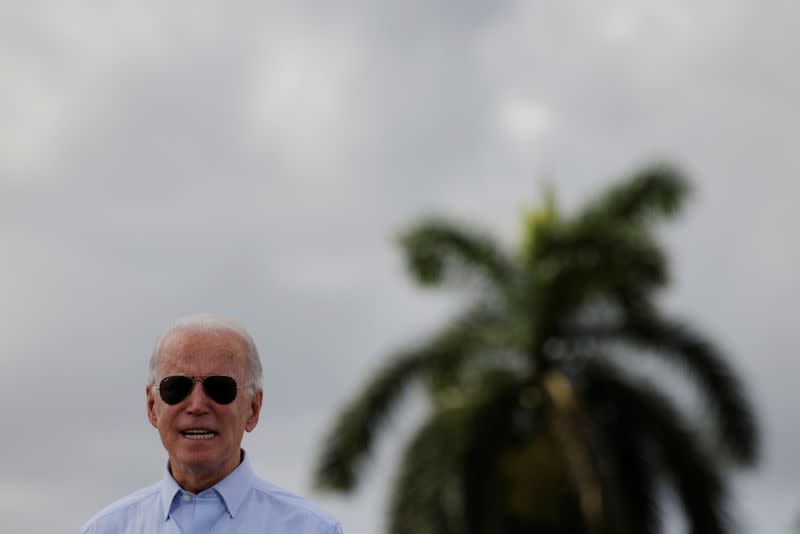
pixel 255 159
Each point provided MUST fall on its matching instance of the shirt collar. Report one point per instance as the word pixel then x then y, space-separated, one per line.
pixel 233 489
pixel 169 488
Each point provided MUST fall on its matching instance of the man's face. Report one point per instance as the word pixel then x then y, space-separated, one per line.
pixel 195 353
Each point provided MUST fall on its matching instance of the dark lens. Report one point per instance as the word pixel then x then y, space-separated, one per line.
pixel 174 389
pixel 221 389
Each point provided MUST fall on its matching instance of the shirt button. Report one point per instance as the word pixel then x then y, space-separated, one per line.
pixel 186 498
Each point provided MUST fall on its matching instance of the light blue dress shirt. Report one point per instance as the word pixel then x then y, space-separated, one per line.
pixel 240 503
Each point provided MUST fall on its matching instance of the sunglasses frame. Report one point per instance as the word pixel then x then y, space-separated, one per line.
pixel 194 380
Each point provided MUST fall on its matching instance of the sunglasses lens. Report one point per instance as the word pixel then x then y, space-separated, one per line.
pixel 221 389
pixel 173 389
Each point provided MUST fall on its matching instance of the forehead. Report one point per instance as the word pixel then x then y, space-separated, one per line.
pixel 203 352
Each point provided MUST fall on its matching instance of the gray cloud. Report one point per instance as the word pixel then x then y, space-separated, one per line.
pixel 256 161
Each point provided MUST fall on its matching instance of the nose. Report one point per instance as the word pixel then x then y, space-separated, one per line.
pixel 197 402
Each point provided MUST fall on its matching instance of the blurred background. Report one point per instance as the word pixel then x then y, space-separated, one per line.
pixel 257 159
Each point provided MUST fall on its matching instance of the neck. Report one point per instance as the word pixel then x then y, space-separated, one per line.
pixel 196 479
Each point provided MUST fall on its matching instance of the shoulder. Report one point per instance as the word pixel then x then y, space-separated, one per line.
pixel 295 508
pixel 123 508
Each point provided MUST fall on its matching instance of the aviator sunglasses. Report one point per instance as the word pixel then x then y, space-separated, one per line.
pixel 220 389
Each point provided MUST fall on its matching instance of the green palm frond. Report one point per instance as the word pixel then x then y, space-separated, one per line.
pixel 350 441
pixel 703 364
pixel 507 411
pixel 427 495
pixel 656 191
pixel 537 221
pixel 470 346
pixel 440 251
pixel 441 363
pixel 716 380
pixel 629 478
pixel 677 448
pixel 626 460
pixel 578 264
pixel 532 427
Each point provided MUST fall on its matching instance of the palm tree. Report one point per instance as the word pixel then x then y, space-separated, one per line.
pixel 541 417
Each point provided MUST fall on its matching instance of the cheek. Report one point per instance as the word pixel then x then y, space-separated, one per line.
pixel 164 417
pixel 238 418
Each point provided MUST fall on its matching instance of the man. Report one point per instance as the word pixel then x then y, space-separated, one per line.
pixel 204 393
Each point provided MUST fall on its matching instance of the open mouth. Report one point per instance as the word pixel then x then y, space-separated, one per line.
pixel 199 433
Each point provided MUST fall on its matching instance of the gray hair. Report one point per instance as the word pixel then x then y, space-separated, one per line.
pixel 206 322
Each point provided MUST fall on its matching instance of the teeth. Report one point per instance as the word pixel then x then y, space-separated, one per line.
pixel 198 434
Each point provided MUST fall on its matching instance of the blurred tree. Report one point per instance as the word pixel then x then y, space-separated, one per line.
pixel 536 423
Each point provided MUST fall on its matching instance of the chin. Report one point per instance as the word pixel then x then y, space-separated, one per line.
pixel 199 457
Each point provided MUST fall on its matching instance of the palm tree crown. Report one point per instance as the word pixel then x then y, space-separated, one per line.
pixel 536 422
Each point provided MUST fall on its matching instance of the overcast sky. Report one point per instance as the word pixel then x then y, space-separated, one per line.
pixel 256 158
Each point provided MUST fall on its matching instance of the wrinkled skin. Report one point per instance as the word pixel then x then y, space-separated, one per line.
pixel 198 464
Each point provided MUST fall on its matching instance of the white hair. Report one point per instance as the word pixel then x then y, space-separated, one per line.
pixel 206 322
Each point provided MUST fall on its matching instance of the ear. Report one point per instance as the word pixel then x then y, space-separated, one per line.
pixel 151 403
pixel 255 409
